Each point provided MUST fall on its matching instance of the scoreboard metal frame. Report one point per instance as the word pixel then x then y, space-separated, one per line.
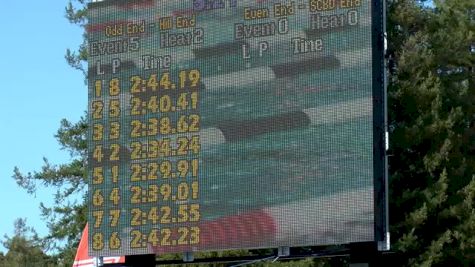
pixel 379 118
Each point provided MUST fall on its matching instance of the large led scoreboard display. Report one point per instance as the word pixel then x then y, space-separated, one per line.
pixel 227 124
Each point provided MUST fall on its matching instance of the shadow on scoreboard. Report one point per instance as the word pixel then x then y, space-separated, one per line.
pixel 366 252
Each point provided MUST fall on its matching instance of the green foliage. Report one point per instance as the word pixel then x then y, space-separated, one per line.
pixel 67 218
pixel 263 261
pixel 432 135
pixel 75 12
pixel 431 96
pixel 24 248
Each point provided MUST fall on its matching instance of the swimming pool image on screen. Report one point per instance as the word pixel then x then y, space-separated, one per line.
pixel 221 125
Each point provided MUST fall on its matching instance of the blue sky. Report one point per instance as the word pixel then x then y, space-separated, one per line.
pixel 37 89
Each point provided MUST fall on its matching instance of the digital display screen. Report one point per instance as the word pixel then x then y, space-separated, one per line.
pixel 229 124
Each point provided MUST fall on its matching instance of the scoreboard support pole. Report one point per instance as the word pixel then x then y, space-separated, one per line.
pixel 147 260
pixel 283 251
pixel 188 257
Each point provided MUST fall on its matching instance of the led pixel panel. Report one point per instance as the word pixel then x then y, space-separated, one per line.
pixel 228 124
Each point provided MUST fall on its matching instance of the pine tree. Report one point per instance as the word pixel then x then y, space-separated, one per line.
pixel 67 218
pixel 432 96
pixel 24 248
pixel 432 135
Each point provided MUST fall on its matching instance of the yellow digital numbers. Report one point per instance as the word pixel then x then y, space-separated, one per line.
pixel 113 152
pixel 114 216
pixel 114 241
pixel 163 103
pixel 98 217
pixel 97 241
pixel 97 175
pixel 163 170
pixel 165 237
pixel 164 81
pixel 165 148
pixel 114 108
pixel 115 173
pixel 189 78
pixel 98 88
pixel 97 198
pixel 114 87
pixel 114 196
pixel 97 132
pixel 164 192
pixel 165 126
pixel 144 157
pixel 96 108
pixel 114 131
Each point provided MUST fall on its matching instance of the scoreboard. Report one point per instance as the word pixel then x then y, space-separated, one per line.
pixel 230 124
